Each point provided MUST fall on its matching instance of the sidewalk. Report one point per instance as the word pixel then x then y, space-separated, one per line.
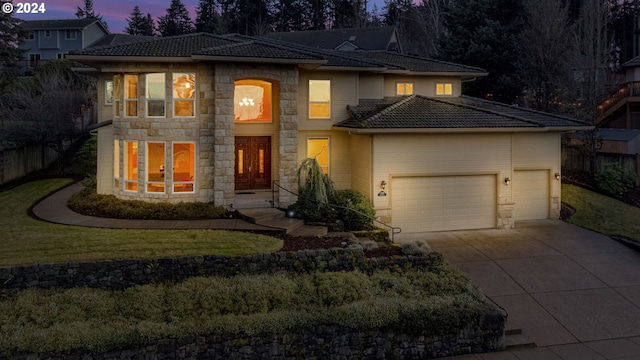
pixel 54 209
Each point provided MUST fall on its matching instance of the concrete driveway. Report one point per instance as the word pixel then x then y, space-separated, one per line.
pixel 573 292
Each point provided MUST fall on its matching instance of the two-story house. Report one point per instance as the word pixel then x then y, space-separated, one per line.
pixel 52 39
pixel 200 117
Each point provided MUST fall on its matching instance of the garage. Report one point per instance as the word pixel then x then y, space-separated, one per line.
pixel 440 203
pixel 531 194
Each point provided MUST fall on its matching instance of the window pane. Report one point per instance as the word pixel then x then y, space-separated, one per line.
pixel 319 149
pixel 444 89
pixel 131 165
pixel 155 107
pixel 320 90
pixel 155 167
pixel 131 86
pixel 155 86
pixel 108 92
pixel 240 158
pixel 131 108
pixel 184 85
pixel 183 167
pixel 408 89
pixel 252 101
pixel 400 89
pixel 183 107
pixel 319 110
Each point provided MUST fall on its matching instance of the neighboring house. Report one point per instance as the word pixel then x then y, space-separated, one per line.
pixel 621 110
pixel 368 39
pixel 200 117
pixel 52 39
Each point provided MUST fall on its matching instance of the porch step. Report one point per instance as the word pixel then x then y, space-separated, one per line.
pixel 272 218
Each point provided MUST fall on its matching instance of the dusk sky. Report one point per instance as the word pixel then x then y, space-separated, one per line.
pixel 115 12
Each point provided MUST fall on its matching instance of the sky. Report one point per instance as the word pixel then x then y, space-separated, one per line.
pixel 114 12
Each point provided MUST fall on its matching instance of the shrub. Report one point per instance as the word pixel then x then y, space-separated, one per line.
pixel 377 235
pixel 352 199
pixel 416 248
pixel 614 179
pixel 88 202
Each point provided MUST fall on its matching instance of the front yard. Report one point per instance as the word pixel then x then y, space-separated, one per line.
pixel 601 213
pixel 25 240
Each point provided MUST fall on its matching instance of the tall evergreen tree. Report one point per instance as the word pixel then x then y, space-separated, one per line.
pixel 87 12
pixel 209 19
pixel 10 36
pixel 292 15
pixel 485 33
pixel 139 24
pixel 176 21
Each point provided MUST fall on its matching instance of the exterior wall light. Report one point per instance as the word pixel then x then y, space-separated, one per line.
pixel 557 176
pixel 383 184
pixel 507 181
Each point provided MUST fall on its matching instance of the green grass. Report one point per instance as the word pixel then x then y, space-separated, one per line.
pixel 601 213
pixel 25 240
pixel 439 301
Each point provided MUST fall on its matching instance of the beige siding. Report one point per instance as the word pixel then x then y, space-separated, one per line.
pixel 339 158
pixel 361 164
pixel 441 155
pixel 370 86
pixel 344 91
pixel 104 176
pixel 425 86
pixel 531 194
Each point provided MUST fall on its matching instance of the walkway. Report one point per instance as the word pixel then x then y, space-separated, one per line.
pixel 574 292
pixel 54 209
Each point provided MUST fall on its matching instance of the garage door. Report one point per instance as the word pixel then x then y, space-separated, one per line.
pixel 444 203
pixel 531 194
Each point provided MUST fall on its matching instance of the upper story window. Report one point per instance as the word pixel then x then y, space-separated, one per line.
pixel 70 34
pixel 31 35
pixel 184 98
pixel 116 95
pixel 108 92
pixel 131 95
pixel 47 33
pixel 405 88
pixel 318 148
pixel 155 94
pixel 319 99
pixel 444 89
pixel 252 101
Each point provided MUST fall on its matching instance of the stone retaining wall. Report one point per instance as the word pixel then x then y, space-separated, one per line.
pixel 121 274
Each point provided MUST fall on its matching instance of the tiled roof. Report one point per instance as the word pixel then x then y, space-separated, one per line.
pixel 613 134
pixel 119 39
pixel 374 38
pixel 419 112
pixel 65 24
pixel 255 49
pixel 414 63
pixel 635 62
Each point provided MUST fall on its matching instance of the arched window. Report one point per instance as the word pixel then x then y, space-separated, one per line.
pixel 252 101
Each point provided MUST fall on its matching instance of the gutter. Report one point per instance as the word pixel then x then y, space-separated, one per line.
pixel 462 130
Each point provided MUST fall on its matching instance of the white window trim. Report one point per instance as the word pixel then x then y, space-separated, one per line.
pixel 445 88
pixel 193 99
pixel 146 177
pixel 405 83
pixel 126 100
pixel 193 181
pixel 328 138
pixel 126 181
pixel 318 102
pixel 146 99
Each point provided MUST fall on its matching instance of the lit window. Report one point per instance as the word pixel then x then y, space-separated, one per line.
pixel 70 34
pixel 155 167
pixel 116 164
pixel 318 148
pixel 444 89
pixel 108 92
pixel 131 165
pixel 155 94
pixel 404 89
pixel 131 95
pixel 184 94
pixel 183 167
pixel 252 101
pixel 319 99
pixel 116 96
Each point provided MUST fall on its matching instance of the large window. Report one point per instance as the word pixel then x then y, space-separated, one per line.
pixel 184 94
pixel 444 89
pixel 116 95
pixel 108 92
pixel 131 95
pixel 318 148
pixel 183 167
pixel 116 164
pixel 131 165
pixel 404 88
pixel 155 167
pixel 155 94
pixel 252 101
pixel 319 99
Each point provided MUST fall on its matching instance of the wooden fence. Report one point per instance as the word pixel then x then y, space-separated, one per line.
pixel 572 159
pixel 19 162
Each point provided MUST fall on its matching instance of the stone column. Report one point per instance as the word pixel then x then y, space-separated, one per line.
pixel 288 137
pixel 223 138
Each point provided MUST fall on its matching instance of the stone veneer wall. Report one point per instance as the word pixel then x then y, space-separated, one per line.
pixel 320 342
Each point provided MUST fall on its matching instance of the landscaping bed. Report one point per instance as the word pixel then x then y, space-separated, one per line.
pixel 291 243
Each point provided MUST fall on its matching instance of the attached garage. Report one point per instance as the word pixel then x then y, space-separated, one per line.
pixel 441 203
pixel 531 194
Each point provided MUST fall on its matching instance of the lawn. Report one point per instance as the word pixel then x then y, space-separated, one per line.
pixel 25 240
pixel 601 213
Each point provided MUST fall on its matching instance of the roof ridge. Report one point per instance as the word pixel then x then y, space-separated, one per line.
pixel 282 45
pixel 390 108
pixel 485 110
pixel 526 109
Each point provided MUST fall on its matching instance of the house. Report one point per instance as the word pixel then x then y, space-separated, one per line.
pixel 384 38
pixel 200 117
pixel 621 110
pixel 52 39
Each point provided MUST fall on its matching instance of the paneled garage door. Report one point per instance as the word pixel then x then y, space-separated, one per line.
pixel 531 194
pixel 444 203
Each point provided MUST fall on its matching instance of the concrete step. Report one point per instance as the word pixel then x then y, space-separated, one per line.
pixel 518 341
pixel 261 214
pixel 309 230
pixel 289 225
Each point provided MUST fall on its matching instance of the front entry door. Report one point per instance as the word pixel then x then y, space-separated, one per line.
pixel 253 162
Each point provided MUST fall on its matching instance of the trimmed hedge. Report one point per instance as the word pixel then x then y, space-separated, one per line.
pixel 88 202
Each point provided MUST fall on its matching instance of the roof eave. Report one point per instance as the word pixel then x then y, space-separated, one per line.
pixel 352 68
pixel 461 130
pixel 106 58
pixel 259 60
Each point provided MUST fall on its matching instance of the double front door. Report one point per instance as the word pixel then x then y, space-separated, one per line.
pixel 253 162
